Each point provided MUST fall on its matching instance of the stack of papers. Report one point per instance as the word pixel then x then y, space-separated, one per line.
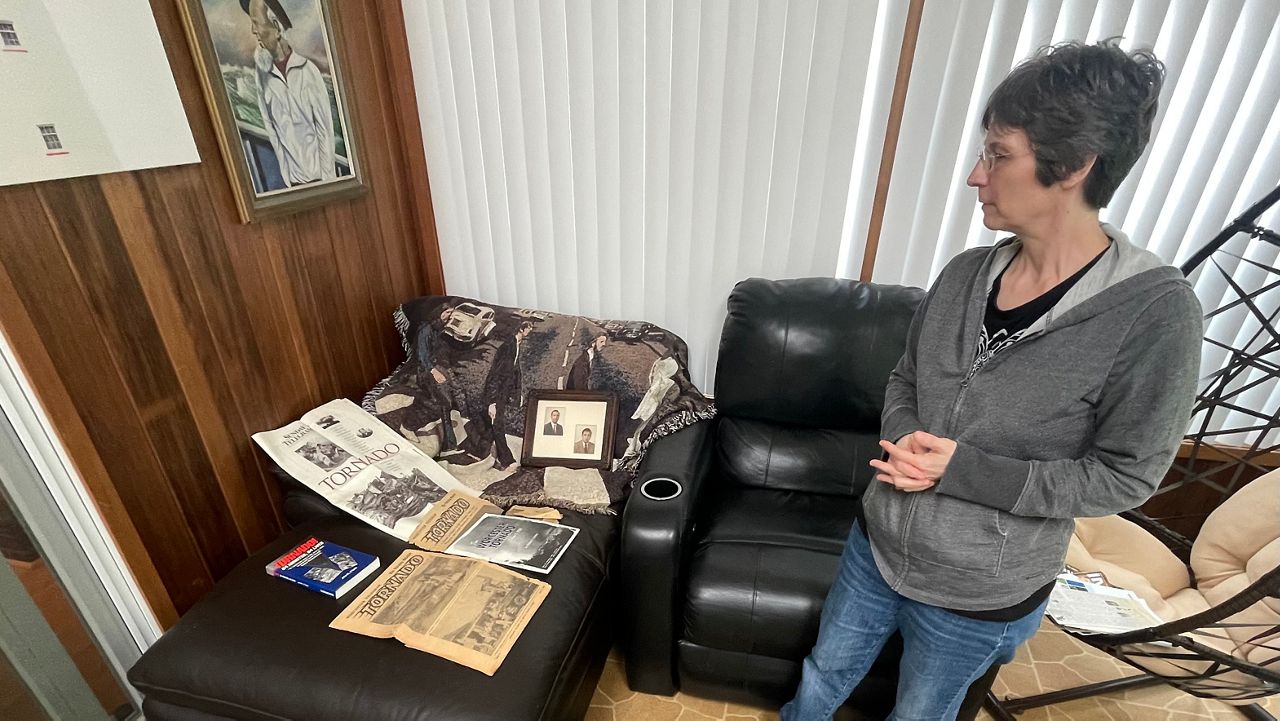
pixel 1085 607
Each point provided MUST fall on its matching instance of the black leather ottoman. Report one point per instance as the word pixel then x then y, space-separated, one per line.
pixel 258 647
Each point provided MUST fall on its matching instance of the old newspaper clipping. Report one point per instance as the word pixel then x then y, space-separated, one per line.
pixel 448 519
pixel 462 609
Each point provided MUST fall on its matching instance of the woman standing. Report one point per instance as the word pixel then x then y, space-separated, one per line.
pixel 1047 377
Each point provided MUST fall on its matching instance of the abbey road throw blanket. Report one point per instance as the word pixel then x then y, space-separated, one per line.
pixel 461 394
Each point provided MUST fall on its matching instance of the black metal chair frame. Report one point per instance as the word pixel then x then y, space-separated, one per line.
pixel 1177 641
pixel 1260 355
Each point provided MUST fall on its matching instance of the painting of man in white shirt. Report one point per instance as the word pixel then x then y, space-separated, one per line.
pixel 293 98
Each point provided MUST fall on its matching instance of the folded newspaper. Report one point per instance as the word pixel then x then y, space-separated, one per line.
pixel 1086 607
pixel 467 526
pixel 360 465
pixel 462 609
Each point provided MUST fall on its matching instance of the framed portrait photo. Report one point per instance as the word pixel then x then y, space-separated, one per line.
pixel 272 76
pixel 573 429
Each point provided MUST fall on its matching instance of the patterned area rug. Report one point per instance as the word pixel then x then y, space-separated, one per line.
pixel 1051 661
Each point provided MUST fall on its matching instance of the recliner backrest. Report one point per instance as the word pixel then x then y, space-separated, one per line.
pixel 800 380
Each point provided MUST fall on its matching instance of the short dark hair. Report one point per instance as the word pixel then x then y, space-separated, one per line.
pixel 1075 100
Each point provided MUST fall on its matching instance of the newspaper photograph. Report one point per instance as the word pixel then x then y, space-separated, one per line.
pixel 1094 608
pixel 448 519
pixel 525 543
pixel 360 465
pixel 461 609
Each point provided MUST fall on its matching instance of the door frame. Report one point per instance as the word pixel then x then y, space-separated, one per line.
pixel 52 500
pixel 41 661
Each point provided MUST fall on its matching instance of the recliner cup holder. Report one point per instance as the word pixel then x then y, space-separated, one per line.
pixel 660 489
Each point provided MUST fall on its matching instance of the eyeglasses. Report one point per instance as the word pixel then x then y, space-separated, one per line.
pixel 990 159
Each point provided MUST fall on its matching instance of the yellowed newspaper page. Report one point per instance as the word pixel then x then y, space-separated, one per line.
pixel 463 609
pixel 544 513
pixel 448 519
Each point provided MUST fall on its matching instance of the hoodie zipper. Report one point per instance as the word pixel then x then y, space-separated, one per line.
pixel 955 413
pixel 950 426
pixel 915 497
pixel 964 389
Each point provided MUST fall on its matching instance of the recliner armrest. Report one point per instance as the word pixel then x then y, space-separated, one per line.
pixel 653 552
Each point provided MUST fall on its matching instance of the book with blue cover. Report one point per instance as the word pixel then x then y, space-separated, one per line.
pixel 324 567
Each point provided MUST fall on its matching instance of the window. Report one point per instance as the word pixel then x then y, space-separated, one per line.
pixel 8 35
pixel 669 149
pixel 50 135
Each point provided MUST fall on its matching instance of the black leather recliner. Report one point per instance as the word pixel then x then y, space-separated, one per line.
pixel 732 538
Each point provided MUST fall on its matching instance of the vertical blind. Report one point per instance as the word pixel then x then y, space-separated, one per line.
pixel 1215 149
pixel 635 159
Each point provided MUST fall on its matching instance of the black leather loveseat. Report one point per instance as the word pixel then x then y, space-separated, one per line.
pixel 258 647
pixel 724 580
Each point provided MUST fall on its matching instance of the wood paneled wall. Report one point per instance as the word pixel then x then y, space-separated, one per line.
pixel 159 332
pixel 1183 506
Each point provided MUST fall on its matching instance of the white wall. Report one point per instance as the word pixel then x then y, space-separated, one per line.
pixel 98 72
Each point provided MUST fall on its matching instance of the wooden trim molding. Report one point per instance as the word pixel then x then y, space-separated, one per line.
pixel 890 149
pixel 1267 459
pixel 405 99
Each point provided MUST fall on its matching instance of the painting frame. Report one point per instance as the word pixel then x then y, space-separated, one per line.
pixel 239 140
pixel 592 410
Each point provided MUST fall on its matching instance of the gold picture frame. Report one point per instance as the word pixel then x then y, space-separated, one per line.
pixel 272 74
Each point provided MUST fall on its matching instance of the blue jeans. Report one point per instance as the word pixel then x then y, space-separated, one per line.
pixel 943 652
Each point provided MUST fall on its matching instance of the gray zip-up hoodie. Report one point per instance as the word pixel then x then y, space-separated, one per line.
pixel 1081 417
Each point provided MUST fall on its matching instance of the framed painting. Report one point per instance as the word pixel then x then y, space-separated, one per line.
pixel 573 429
pixel 272 76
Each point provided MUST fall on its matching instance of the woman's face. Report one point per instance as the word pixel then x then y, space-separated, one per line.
pixel 1012 199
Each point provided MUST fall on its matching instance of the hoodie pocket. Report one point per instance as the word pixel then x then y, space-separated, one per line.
pixel 956 534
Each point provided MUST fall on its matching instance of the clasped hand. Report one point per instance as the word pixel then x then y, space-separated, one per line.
pixel 915 462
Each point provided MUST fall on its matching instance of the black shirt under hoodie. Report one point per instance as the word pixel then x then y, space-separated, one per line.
pixel 1000 330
